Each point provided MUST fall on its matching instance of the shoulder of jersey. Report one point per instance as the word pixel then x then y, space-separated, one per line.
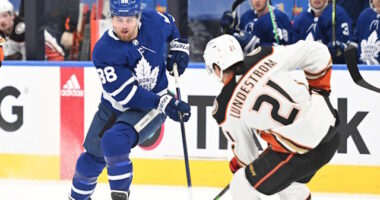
pixel 221 101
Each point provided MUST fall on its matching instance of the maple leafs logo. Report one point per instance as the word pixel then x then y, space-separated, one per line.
pixel 145 76
pixel 370 49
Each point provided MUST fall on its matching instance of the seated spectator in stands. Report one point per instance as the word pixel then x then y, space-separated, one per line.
pixel 256 26
pixel 367 33
pixel 353 8
pixel 61 19
pixel 316 24
pixel 12 29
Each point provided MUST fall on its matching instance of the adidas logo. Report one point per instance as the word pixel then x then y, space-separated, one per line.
pixel 72 88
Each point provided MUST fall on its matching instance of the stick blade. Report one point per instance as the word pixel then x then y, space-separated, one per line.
pixel 350 56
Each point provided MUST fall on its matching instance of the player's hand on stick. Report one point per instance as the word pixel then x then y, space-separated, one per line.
pixel 178 53
pixel 228 22
pixel 336 48
pixel 173 108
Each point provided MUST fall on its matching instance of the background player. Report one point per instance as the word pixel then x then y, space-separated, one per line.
pixel 296 120
pixel 258 22
pixel 316 24
pixel 367 33
pixel 130 63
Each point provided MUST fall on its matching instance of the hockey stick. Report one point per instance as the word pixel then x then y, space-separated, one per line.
pixel 221 193
pixel 333 32
pixel 273 20
pixel 350 56
pixel 235 4
pixel 185 154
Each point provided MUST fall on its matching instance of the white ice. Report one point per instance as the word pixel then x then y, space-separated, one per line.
pixel 58 190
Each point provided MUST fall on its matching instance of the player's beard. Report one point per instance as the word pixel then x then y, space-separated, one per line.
pixel 129 36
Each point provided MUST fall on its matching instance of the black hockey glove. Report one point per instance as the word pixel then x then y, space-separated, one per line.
pixel 228 22
pixel 173 107
pixel 178 53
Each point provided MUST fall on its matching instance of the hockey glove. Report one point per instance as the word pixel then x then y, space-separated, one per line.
pixel 173 107
pixel 228 22
pixel 234 165
pixel 246 41
pixel 336 49
pixel 178 53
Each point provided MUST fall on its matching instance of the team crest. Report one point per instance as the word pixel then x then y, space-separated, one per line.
pixel 370 49
pixel 145 76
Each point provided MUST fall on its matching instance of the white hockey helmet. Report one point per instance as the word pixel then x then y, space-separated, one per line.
pixel 6 6
pixel 223 51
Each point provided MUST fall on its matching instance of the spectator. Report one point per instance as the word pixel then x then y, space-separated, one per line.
pixel 366 34
pixel 61 19
pixel 353 8
pixel 12 29
pixel 316 24
pixel 258 23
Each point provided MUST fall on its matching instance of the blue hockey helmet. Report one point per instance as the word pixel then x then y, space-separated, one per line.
pixel 125 7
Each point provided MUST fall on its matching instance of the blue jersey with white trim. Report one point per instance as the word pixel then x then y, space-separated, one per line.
pixel 133 74
pixel 308 27
pixel 367 35
pixel 262 27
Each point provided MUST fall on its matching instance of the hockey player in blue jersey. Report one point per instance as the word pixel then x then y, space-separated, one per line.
pixel 367 33
pixel 129 61
pixel 256 26
pixel 316 24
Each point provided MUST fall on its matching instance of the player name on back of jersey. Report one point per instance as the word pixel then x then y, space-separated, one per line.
pixel 253 76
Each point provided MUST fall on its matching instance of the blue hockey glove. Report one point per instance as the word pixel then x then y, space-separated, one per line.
pixel 172 107
pixel 178 53
pixel 228 22
pixel 246 41
pixel 337 49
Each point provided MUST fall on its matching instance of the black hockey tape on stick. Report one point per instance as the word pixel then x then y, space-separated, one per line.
pixel 236 4
pixel 221 193
pixel 350 56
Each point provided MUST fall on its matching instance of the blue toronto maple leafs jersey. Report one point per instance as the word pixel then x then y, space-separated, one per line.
pixel 366 35
pixel 261 28
pixel 308 27
pixel 133 74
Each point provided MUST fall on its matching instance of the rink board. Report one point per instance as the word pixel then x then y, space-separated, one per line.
pixel 46 109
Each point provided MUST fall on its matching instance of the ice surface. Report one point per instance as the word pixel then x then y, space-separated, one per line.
pixel 58 190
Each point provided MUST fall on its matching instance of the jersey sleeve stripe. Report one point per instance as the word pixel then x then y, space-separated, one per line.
pixel 293 146
pixel 315 75
pixel 130 95
pixel 113 102
pixel 121 88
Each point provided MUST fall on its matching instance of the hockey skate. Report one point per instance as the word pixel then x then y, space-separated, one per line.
pixel 119 195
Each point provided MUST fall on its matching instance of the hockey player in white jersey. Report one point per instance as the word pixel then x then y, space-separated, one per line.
pixel 296 120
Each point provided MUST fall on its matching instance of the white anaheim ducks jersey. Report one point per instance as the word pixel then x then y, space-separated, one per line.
pixel 267 99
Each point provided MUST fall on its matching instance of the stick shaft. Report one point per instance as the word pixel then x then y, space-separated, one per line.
pixel 183 133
